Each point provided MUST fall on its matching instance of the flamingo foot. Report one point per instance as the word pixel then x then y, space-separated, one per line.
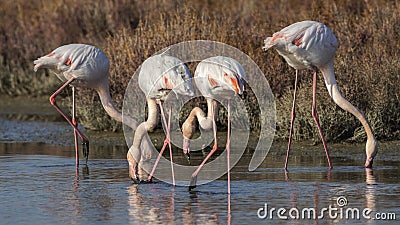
pixel 145 181
pixel 135 180
pixel 85 150
pixel 193 182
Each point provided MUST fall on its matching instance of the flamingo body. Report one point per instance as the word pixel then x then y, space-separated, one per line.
pixel 217 77
pixel 223 77
pixel 302 44
pixel 87 64
pixel 312 45
pixel 159 76
pixel 81 65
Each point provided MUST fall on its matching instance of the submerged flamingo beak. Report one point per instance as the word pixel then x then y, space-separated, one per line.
pixel 369 162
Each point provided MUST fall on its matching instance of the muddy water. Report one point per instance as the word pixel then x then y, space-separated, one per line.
pixel 39 184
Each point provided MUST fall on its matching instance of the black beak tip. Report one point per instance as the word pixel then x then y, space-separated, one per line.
pixel 187 156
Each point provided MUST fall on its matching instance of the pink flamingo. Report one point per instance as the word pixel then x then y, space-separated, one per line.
pixel 80 65
pixel 216 77
pixel 159 76
pixel 312 45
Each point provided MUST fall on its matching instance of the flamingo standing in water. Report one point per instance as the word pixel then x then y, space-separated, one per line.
pixel 216 77
pixel 80 65
pixel 159 76
pixel 312 45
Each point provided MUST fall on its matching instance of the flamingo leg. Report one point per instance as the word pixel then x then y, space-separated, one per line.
pixel 315 116
pixel 228 147
pixel 75 123
pixel 213 105
pixel 166 141
pixel 292 120
pixel 85 140
pixel 213 150
pixel 169 144
pixel 229 210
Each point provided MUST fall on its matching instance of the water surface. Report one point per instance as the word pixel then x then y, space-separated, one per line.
pixel 39 182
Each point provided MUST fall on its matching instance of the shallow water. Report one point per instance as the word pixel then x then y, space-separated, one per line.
pixel 42 186
pixel 39 183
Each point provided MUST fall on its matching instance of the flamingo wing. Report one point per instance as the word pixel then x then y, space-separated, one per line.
pixel 162 73
pixel 70 57
pixel 302 44
pixel 222 74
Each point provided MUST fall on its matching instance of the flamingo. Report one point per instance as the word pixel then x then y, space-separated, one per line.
pixel 312 45
pixel 81 65
pixel 159 76
pixel 216 77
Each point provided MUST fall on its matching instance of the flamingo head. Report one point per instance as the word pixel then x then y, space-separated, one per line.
pixel 133 172
pixel 188 129
pixel 182 80
pixel 371 149
pixel 267 43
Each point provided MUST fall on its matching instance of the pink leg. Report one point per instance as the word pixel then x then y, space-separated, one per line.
pixel 75 123
pixel 315 116
pixel 215 146
pixel 166 141
pixel 169 144
pixel 229 210
pixel 292 120
pixel 228 147
pixel 213 150
pixel 53 102
pixel 52 99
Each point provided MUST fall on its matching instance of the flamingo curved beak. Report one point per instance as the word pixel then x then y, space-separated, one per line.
pixel 186 144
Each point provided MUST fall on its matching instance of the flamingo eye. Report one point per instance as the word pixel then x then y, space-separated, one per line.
pixel 181 72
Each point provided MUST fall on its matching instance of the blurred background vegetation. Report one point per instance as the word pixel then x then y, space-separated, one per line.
pixel 367 63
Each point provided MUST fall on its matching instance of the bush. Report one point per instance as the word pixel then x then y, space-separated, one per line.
pixel 366 63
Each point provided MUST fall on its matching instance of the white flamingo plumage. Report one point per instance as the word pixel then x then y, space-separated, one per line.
pixel 216 78
pixel 159 76
pixel 312 45
pixel 81 65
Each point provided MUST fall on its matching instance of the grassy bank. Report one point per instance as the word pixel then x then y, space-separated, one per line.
pixel 367 62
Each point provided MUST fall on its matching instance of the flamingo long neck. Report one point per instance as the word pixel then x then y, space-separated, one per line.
pixel 147 126
pixel 333 89
pixel 134 153
pixel 205 121
pixel 109 107
pixel 152 116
